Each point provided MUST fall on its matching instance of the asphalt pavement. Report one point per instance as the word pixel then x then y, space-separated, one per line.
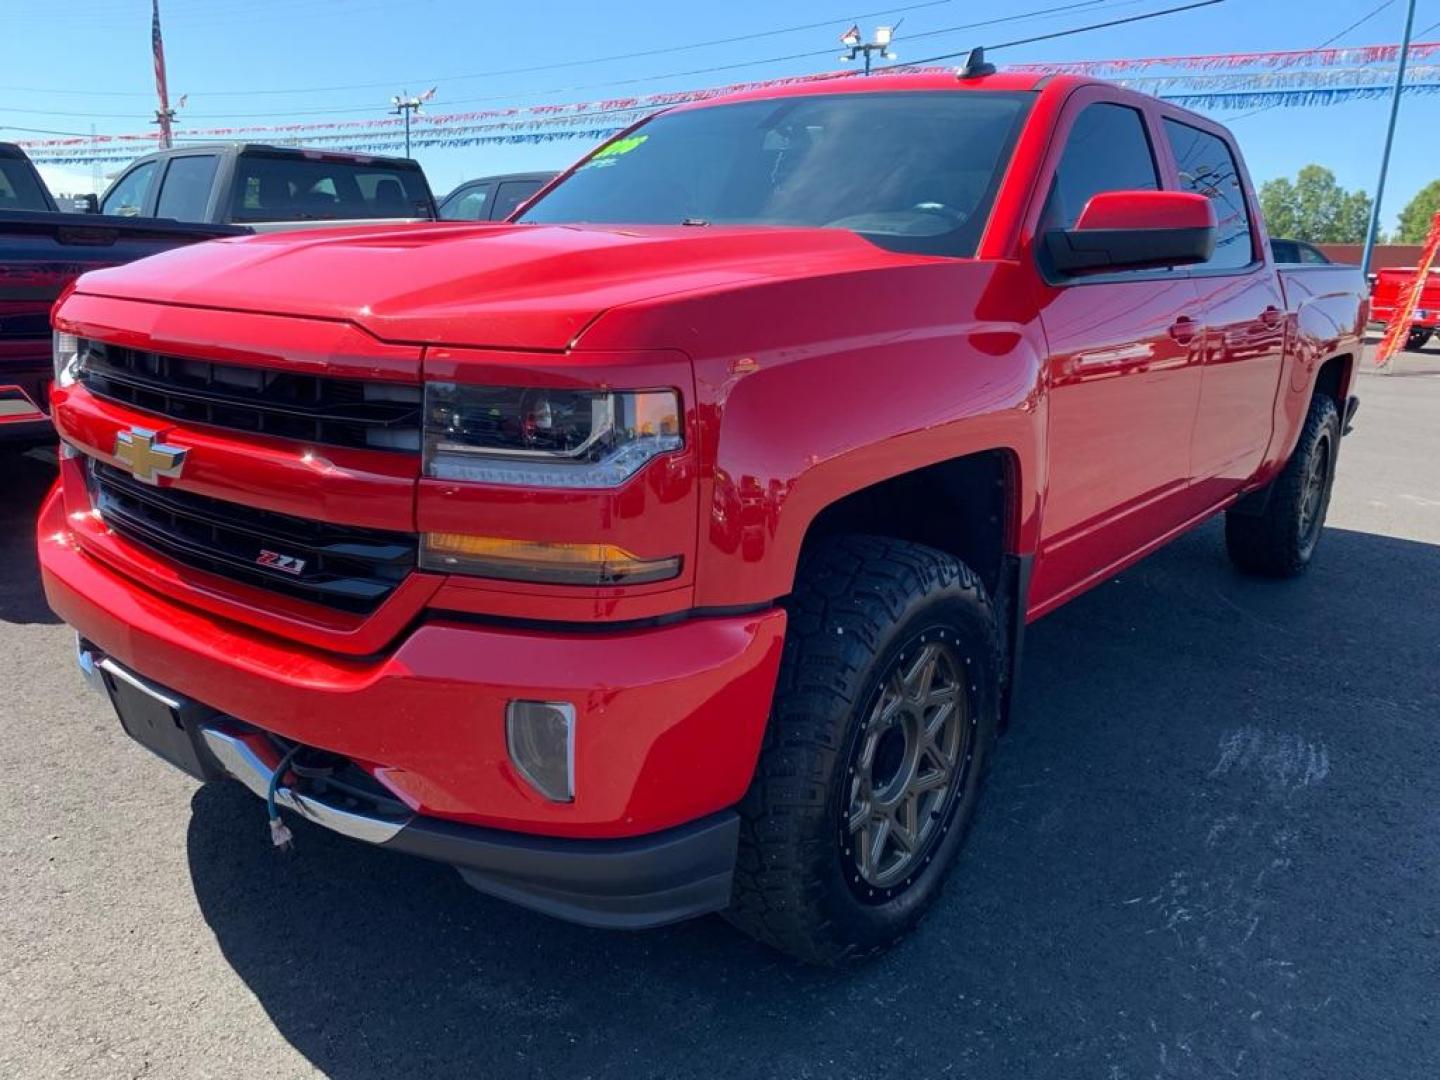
pixel 1210 848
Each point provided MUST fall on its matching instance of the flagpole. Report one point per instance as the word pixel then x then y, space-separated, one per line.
pixel 164 114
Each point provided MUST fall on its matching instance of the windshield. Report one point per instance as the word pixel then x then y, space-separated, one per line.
pixel 911 171
pixel 283 187
pixel 19 190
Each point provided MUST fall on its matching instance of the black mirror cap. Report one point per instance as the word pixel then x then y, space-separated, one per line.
pixel 1079 251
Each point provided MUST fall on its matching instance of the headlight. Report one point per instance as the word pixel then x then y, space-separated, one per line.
pixel 546 438
pixel 68 351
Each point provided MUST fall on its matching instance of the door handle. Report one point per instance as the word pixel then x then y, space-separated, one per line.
pixel 1184 330
pixel 1272 316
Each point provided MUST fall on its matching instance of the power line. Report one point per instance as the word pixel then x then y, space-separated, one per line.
pixel 611 84
pixel 495 72
pixel 1064 33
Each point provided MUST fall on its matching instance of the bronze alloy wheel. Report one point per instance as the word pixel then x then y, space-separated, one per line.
pixel 1315 498
pixel 906 768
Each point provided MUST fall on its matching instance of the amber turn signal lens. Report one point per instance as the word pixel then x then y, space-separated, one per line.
pixel 528 560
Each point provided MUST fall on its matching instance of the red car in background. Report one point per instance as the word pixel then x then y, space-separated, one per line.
pixel 669 549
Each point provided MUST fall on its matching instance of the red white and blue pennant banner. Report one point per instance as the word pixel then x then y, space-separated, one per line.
pixel 1296 78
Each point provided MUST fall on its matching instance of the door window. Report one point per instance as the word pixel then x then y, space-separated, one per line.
pixel 185 192
pixel 127 197
pixel 1107 150
pixel 511 194
pixel 467 204
pixel 1207 167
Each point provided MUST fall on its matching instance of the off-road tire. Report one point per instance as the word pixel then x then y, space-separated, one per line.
pixel 1418 338
pixel 859 603
pixel 1281 541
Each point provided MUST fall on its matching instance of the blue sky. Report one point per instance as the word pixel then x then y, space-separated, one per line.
pixel 264 59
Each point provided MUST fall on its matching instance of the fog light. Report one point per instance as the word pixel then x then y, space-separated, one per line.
pixel 540 738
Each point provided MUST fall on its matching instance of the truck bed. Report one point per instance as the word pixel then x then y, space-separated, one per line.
pixel 1323 298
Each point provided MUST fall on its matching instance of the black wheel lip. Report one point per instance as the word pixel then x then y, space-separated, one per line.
pixel 864 892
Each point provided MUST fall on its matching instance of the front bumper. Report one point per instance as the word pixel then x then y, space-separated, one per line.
pixel 668 718
pixel 620 884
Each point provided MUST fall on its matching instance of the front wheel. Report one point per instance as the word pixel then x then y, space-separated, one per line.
pixel 1281 541
pixel 884 717
pixel 1418 338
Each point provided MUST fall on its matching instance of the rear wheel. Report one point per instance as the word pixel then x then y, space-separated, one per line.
pixel 884 717
pixel 1418 338
pixel 1281 541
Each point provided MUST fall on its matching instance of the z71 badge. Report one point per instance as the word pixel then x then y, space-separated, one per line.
pixel 288 564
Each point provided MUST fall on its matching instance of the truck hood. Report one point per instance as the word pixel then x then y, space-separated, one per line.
pixel 492 285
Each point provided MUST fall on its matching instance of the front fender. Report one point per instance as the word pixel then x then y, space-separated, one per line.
pixel 798 437
pixel 810 388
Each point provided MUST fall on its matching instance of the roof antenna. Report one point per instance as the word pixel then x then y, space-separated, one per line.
pixel 976 67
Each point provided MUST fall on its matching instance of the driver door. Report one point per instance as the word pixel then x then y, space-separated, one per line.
pixel 1123 370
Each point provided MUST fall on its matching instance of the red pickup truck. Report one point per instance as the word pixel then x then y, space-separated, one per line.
pixel 1390 286
pixel 669 548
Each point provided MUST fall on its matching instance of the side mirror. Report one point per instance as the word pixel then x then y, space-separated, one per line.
pixel 1135 230
pixel 85 204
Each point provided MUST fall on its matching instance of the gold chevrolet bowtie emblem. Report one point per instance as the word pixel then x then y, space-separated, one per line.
pixel 146 458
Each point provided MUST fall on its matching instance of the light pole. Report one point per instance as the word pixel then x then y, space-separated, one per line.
pixel 405 105
pixel 855 47
pixel 1374 229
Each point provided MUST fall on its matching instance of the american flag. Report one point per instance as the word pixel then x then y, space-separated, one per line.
pixel 157 46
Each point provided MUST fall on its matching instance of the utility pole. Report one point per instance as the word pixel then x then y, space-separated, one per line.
pixel 1374 229
pixel 405 105
pixel 855 47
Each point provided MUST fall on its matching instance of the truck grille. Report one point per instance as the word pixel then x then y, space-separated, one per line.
pixel 338 566
pixel 286 404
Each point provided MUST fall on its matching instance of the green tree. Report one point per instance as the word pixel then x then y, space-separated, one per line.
pixel 1315 208
pixel 1277 203
pixel 1416 217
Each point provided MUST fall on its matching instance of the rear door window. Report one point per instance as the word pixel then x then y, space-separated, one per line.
pixel 1207 167
pixel 127 197
pixel 185 191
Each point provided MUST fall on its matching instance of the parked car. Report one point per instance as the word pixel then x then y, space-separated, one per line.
pixel 21 186
pixel 1389 290
pixel 268 188
pixel 1298 252
pixel 671 549
pixel 41 252
pixel 492 198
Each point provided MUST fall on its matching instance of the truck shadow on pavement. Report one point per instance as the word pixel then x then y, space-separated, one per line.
pixel 24 480
pixel 1201 843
